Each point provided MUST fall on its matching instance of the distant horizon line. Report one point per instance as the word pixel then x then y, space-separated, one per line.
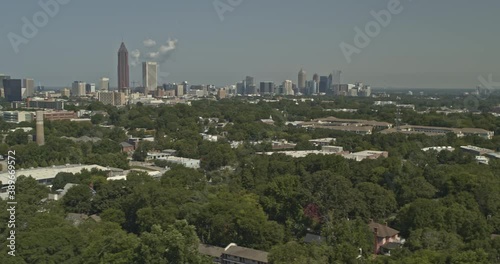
pixel 377 88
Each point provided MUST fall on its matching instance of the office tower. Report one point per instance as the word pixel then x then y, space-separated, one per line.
pixel 337 77
pixel 104 84
pixel 240 88
pixel 179 90
pixel 119 98
pixel 13 89
pixel 312 87
pixel 106 98
pixel 29 85
pixel 90 88
pixel 78 88
pixel 112 98
pixel 186 87
pixel 267 88
pixel 149 76
pixel 66 92
pixel 3 77
pixel 40 133
pixel 287 88
pixel 249 81
pixel 302 80
pixel 252 89
pixel 334 81
pixel 330 83
pixel 316 78
pixel 221 93
pixel 323 84
pixel 123 68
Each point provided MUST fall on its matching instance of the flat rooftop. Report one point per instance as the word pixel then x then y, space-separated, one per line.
pixel 51 172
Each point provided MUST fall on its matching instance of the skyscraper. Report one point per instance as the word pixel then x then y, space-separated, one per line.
pixel 123 68
pixel 29 85
pixel 329 87
pixel 240 88
pixel 267 88
pixel 78 88
pixel 323 84
pixel 250 88
pixel 90 88
pixel 312 87
pixel 249 80
pixel 337 78
pixel 316 78
pixel 13 89
pixel 288 87
pixel 104 84
pixel 149 76
pixel 3 77
pixel 302 80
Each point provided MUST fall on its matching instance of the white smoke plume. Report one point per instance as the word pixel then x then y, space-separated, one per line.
pixel 153 52
pixel 149 43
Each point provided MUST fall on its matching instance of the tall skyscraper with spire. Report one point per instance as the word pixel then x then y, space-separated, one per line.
pixel 123 68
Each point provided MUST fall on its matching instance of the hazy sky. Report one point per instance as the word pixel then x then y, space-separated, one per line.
pixel 441 44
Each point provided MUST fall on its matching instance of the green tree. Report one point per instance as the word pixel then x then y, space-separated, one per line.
pixel 18 137
pixel 108 243
pixel 178 244
pixel 78 199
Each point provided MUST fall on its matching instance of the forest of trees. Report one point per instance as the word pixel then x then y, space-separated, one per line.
pixel 445 204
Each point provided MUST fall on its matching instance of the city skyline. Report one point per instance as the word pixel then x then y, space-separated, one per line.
pixel 407 53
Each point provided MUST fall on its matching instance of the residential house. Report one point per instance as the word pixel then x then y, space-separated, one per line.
pixel 385 238
pixel 127 147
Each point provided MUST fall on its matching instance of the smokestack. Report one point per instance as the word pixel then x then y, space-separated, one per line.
pixel 40 135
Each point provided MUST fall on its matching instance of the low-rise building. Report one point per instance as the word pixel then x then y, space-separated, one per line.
pixel 17 116
pixel 439 149
pixel 127 147
pixel 45 175
pixel 334 121
pixel 441 131
pixel 367 154
pixel 283 144
pixel 188 163
pixel 61 192
pixel 476 150
pixel 360 130
pixel 234 254
pixel 268 121
pixel 45 104
pixel 323 141
pixel 59 115
pixel 211 138
pixel 332 149
pixel 135 141
pixel 495 155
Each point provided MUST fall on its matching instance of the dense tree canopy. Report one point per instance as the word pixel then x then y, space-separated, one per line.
pixel 444 204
